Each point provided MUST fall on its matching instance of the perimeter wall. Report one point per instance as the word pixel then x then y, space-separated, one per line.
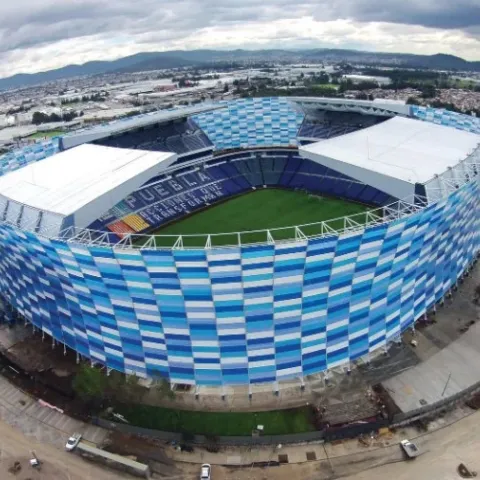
pixel 242 315
pixel 250 314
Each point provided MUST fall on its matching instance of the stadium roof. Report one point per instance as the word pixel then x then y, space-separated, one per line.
pixel 81 183
pixel 379 106
pixel 396 154
pixel 131 123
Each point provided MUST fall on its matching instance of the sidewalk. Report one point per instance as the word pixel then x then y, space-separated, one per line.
pixel 49 426
pixel 384 447
pixel 25 413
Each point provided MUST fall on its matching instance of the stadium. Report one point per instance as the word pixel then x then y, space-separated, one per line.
pixel 240 243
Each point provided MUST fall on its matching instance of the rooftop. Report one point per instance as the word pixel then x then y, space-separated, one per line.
pixel 126 124
pixel 85 181
pixel 401 148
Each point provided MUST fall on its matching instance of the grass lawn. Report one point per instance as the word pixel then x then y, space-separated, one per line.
pixel 331 86
pixel 258 210
pixel 52 133
pixel 278 422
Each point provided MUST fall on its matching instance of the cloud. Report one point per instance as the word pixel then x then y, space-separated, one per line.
pixel 40 35
pixel 443 14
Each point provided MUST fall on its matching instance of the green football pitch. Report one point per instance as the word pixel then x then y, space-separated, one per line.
pixel 46 134
pixel 258 210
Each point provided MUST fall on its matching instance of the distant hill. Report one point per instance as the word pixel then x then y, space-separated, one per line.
pixel 437 62
pixel 95 68
pixel 180 58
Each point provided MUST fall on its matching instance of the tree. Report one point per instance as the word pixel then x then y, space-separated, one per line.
pixel 225 88
pixel 367 85
pixel 163 389
pixel 361 96
pixel 429 91
pixel 38 118
pixel 115 382
pixel 413 101
pixel 89 383
pixel 345 85
pixel 132 390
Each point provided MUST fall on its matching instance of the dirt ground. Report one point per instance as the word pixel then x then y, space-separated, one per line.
pixel 443 450
pixel 56 464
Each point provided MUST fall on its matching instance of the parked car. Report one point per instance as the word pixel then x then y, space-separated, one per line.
pixel 205 472
pixel 73 441
pixel 410 448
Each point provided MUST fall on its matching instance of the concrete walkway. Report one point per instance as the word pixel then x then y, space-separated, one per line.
pixel 383 447
pixel 46 425
pixel 448 372
pixel 25 413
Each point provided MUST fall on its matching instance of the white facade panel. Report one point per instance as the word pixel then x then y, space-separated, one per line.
pixel 29 218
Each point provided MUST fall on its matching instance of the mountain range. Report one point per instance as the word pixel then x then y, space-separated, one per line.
pixel 180 58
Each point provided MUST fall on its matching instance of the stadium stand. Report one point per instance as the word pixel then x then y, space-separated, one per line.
pixel 167 198
pixel 324 124
pixel 316 303
pixel 120 228
pixel 181 137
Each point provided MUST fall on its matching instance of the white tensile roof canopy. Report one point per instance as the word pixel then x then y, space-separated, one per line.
pixel 124 125
pixel 75 187
pixel 396 154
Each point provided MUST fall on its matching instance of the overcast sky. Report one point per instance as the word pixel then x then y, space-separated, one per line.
pixel 37 35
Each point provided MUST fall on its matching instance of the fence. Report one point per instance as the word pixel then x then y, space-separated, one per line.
pixel 329 434
pixel 408 417
pixel 202 439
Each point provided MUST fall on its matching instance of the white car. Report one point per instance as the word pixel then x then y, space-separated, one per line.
pixel 410 448
pixel 73 441
pixel 205 472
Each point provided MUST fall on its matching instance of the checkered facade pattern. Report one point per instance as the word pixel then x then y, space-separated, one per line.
pixel 252 122
pixel 252 314
pixel 447 118
pixel 23 156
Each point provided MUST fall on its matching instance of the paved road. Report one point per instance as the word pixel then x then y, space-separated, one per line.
pixel 444 450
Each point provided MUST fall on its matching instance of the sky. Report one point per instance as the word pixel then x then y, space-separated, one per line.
pixel 38 35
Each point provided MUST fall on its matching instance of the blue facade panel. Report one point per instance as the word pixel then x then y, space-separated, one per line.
pixel 252 122
pixel 241 315
pixel 29 154
pixel 231 316
pixel 447 118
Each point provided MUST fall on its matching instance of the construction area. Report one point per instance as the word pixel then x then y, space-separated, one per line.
pixel 433 363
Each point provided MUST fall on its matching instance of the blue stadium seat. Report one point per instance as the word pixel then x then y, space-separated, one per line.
pixel 163 199
pixel 178 137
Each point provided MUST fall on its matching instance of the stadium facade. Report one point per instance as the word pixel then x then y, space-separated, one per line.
pixel 241 313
